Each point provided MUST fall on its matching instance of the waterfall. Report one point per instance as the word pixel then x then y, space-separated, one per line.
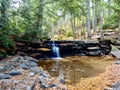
pixel 55 51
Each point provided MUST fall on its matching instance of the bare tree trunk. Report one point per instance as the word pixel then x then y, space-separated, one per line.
pixel 83 26
pixel 73 27
pixel 101 22
pixel 88 19
pixel 93 17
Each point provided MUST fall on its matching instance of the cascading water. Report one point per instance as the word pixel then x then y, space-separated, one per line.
pixel 55 51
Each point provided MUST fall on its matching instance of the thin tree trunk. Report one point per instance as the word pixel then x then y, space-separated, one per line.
pixel 101 22
pixel 73 28
pixel 83 25
pixel 93 18
pixel 88 19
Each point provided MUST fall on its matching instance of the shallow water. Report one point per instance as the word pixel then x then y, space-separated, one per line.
pixel 72 69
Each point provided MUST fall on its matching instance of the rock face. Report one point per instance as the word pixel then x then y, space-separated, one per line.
pixel 23 73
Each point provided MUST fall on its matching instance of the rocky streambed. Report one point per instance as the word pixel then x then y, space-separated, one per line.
pixel 23 73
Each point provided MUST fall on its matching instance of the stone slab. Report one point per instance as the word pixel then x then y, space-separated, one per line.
pixel 116 53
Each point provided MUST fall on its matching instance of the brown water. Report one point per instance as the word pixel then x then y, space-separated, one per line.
pixel 76 67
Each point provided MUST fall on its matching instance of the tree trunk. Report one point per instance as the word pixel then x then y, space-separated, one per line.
pixel 93 17
pixel 88 19
pixel 101 22
pixel 73 27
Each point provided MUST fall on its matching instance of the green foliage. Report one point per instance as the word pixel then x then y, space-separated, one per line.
pixel 111 22
pixel 69 33
pixel 82 32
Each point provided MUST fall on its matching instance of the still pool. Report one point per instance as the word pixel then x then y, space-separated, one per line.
pixel 73 68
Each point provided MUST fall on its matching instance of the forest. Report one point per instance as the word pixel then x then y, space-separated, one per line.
pixel 59 45
pixel 56 19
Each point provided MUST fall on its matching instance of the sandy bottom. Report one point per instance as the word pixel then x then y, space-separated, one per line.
pixel 101 82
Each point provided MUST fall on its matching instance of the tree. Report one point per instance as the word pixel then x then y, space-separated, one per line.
pixel 5 34
pixel 93 17
pixel 88 19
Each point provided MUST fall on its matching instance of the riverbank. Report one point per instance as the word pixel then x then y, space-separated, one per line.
pixel 23 73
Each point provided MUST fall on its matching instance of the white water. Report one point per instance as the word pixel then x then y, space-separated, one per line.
pixel 55 52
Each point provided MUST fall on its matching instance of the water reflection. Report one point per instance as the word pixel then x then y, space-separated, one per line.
pixel 72 69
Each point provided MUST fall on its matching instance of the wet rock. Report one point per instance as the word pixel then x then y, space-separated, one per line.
pixel 14 72
pixel 4 76
pixel 93 53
